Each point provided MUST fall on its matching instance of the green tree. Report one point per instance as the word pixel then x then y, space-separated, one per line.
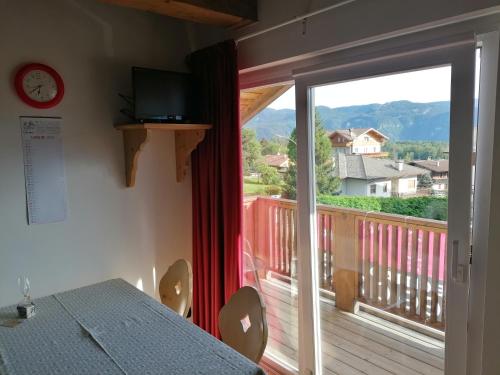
pixel 417 150
pixel 326 182
pixel 271 147
pixel 290 189
pixel 424 181
pixel 252 153
pixel 268 175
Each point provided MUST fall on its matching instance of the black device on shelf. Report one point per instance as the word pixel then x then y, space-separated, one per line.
pixel 164 96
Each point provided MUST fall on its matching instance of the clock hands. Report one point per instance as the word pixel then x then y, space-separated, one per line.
pixel 36 90
pixel 39 87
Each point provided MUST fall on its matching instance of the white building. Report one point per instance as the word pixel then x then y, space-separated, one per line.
pixel 368 176
pixel 359 141
pixel 439 174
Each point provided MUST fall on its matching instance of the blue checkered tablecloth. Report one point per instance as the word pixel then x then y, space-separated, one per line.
pixel 112 328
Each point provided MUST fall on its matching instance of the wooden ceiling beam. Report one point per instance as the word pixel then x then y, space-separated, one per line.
pixel 224 13
pixel 253 101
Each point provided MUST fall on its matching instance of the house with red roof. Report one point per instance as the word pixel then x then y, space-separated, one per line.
pixel 280 162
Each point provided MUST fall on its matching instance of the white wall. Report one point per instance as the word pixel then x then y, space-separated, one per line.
pixel 441 187
pixel 360 20
pixel 365 144
pixel 352 186
pixel 404 185
pixel 275 56
pixel 112 231
pixel 380 188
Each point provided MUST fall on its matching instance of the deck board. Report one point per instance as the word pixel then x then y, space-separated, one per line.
pixel 352 344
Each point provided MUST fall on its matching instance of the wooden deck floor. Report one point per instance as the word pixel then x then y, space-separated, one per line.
pixel 352 344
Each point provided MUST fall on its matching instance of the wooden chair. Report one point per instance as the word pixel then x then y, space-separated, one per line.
pixel 176 287
pixel 243 325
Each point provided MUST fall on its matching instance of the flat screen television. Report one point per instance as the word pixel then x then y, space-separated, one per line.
pixel 164 96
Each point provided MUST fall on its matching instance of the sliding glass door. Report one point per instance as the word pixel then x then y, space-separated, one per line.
pixel 385 151
pixel 381 202
pixel 357 210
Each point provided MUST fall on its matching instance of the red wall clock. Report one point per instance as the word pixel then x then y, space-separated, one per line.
pixel 39 85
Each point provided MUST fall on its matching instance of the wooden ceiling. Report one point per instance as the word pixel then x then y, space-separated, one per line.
pixel 254 100
pixel 225 13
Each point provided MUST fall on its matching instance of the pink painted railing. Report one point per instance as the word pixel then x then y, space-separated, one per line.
pixel 402 264
pixel 390 262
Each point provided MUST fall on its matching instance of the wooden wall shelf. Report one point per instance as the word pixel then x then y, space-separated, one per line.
pixel 135 137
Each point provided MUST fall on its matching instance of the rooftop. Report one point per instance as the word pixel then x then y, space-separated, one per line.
pixel 352 133
pixel 433 165
pixel 369 168
pixel 278 161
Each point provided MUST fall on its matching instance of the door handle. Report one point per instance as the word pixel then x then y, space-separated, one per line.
pixel 458 270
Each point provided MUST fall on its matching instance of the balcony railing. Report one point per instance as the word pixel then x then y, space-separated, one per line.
pixel 391 262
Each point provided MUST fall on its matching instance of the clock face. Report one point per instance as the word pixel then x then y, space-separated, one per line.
pixel 39 85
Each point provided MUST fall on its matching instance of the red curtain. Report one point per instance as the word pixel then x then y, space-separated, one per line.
pixel 217 186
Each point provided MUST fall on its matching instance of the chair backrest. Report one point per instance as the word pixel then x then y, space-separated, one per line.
pixel 250 272
pixel 243 325
pixel 176 287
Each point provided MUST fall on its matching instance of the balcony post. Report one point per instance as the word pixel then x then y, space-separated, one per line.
pixel 262 239
pixel 345 276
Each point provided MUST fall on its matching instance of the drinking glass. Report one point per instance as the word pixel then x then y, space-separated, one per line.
pixel 24 288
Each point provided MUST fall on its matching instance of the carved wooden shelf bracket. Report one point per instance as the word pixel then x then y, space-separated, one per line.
pixel 133 141
pixel 136 136
pixel 185 143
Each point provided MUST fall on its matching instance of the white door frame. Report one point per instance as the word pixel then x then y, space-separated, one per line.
pixel 483 224
pixel 460 54
pixel 308 297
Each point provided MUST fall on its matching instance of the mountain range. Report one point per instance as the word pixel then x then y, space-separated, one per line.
pixel 399 120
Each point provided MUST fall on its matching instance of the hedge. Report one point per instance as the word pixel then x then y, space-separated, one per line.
pixel 425 207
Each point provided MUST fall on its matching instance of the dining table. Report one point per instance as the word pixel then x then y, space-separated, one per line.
pixel 111 328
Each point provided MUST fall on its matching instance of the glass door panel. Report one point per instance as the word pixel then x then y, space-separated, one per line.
pixel 270 213
pixel 382 161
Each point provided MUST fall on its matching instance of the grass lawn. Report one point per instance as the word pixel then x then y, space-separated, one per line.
pixel 251 186
pixel 253 189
